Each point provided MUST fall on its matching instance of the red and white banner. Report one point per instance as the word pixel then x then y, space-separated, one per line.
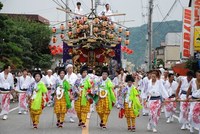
pixel 187 19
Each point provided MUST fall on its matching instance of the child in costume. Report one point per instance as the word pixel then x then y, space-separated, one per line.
pixel 130 104
pixel 81 91
pixel 62 98
pixel 106 97
pixel 36 96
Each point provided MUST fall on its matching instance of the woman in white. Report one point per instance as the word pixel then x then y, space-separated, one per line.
pixel 6 85
pixel 170 107
pixel 156 90
pixel 194 114
pixel 182 91
pixel 23 84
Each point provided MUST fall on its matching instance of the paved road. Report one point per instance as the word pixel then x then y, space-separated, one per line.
pixel 20 124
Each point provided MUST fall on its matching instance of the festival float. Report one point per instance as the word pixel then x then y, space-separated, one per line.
pixel 92 39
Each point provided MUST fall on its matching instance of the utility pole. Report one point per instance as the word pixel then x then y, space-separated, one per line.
pixel 150 33
pixel 96 5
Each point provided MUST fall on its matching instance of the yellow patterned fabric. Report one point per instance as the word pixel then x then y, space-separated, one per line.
pixel 131 122
pixel 81 110
pixel 129 113
pixel 35 114
pixel 103 105
pixel 61 117
pixel 60 105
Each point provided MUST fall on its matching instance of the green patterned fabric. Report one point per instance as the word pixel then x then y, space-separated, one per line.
pixel 111 95
pixel 67 87
pixel 86 85
pixel 37 102
pixel 135 100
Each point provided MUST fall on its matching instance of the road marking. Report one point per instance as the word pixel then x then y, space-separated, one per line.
pixel 178 119
pixel 86 130
pixel 12 110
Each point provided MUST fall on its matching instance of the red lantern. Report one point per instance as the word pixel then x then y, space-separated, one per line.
pixel 104 23
pixel 127 33
pixel 53 52
pixel 78 30
pixel 111 35
pixel 78 21
pixel 54 29
pixel 60 50
pixel 70 33
pixel 85 26
pixel 120 29
pixel 112 26
pixel 127 42
pixel 54 39
pixel 62 27
pixel 125 49
pixel 103 32
pixel 85 18
pixel 69 24
pixel 62 35
pixel 96 20
pixel 95 29
pixel 119 39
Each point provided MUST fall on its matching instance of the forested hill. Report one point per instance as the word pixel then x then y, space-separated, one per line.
pixel 138 38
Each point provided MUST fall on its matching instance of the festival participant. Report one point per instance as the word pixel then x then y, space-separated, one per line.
pixel 81 90
pixel 106 97
pixel 131 103
pixel 71 78
pixel 156 90
pixel 170 107
pixel 194 113
pixel 6 85
pixel 62 98
pixel 116 87
pixel 93 80
pixel 121 78
pixel 23 84
pixel 107 12
pixel 184 106
pixel 37 98
pixel 78 10
pixel 144 91
pixel 50 82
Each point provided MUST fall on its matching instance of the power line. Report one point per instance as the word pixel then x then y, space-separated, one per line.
pixel 167 15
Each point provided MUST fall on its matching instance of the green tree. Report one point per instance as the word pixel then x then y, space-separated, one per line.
pixel 24 43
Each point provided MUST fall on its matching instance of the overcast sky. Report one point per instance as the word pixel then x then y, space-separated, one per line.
pixel 133 9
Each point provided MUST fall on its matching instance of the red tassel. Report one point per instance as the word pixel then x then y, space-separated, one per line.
pixel 121 113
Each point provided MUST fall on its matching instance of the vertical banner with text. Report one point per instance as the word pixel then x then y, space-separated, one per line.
pixel 185 48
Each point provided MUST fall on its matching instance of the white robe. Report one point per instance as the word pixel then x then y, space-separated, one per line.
pixel 170 107
pixel 6 83
pixel 194 118
pixel 71 78
pixel 184 106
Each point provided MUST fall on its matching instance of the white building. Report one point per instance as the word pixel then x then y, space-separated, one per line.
pixel 169 51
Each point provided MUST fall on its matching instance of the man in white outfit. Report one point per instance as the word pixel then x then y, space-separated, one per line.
pixel 78 10
pixel 6 85
pixel 50 82
pixel 107 12
pixel 23 84
pixel 71 78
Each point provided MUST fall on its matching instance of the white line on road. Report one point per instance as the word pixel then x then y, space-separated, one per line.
pixel 178 119
pixel 12 110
